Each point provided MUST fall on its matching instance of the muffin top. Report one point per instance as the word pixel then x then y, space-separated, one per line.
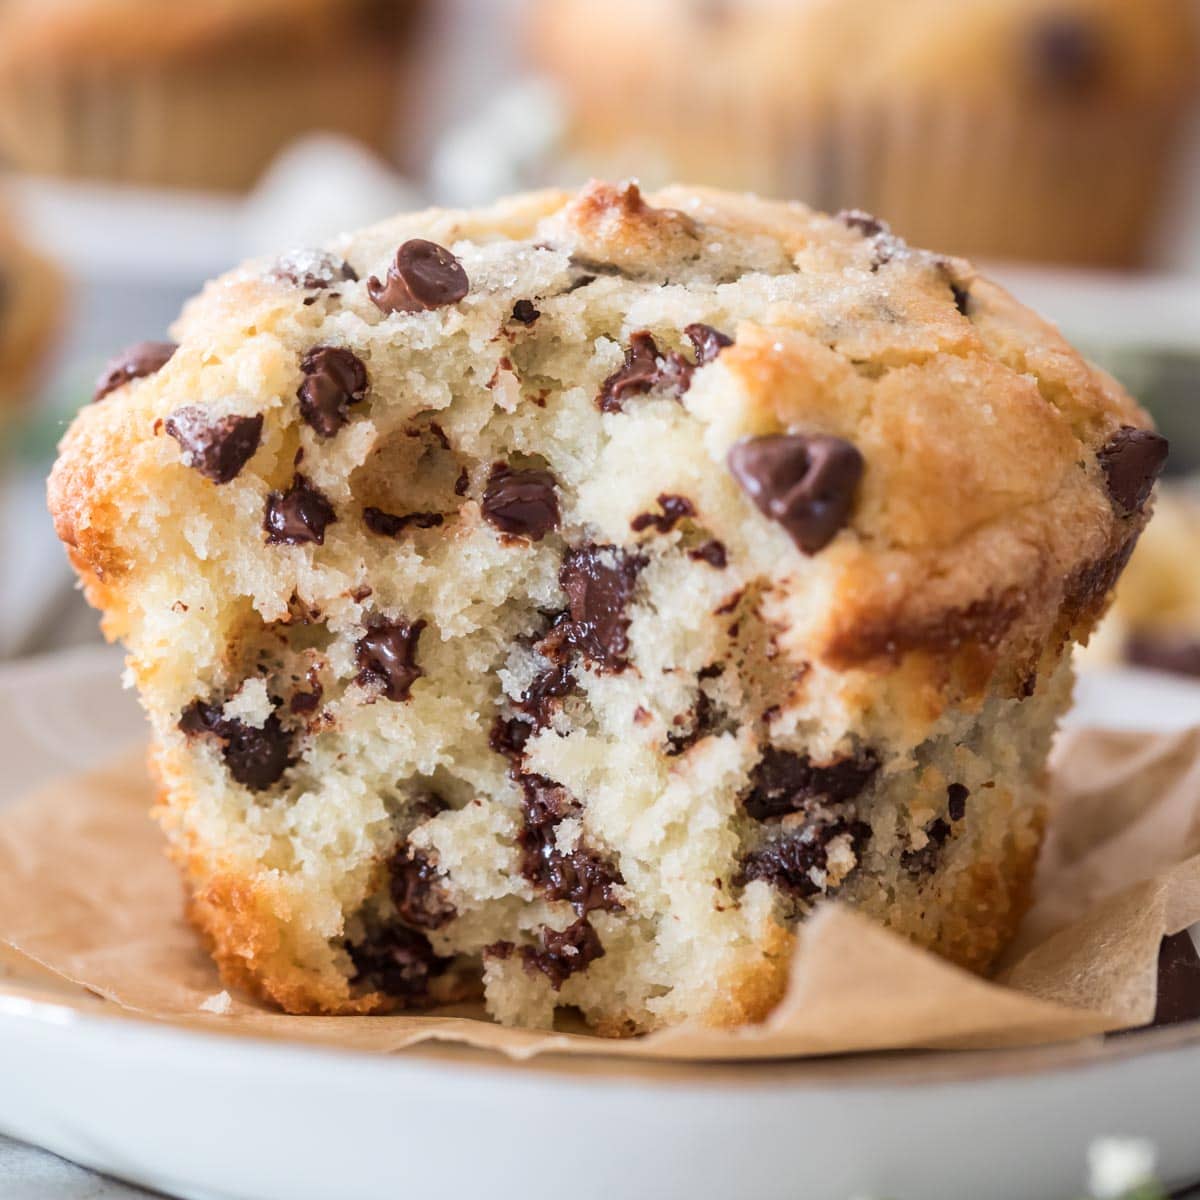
pixel 1044 49
pixel 131 30
pixel 915 468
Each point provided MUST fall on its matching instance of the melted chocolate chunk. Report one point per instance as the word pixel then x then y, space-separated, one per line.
pixel 789 863
pixel 524 312
pixel 387 655
pixel 703 722
pixel 398 961
pixel 393 525
pixel 334 379
pixel 563 954
pixel 1065 53
pixel 582 877
pixel 304 704
pixel 534 712
pixel 1175 653
pixel 538 700
pixel 134 362
pixel 508 736
pixel 422 276
pixel 784 782
pixel 217 447
pixel 956 801
pixel 256 758
pixel 706 341
pixel 313 270
pixel 599 582
pixel 1178 980
pixel 805 482
pixel 1131 461
pixel 925 861
pixel 643 370
pixel 711 552
pixel 299 515
pixel 417 891
pixel 521 503
pixel 674 509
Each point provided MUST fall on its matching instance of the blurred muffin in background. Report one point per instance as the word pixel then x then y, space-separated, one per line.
pixel 1155 618
pixel 1024 129
pixel 30 309
pixel 192 93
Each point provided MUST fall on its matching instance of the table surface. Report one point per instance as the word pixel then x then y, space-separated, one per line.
pixel 27 1173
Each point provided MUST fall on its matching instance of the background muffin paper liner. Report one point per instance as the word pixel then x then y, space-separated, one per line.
pixel 87 896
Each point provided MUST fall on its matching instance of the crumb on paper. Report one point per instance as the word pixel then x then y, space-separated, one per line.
pixel 220 1002
pixel 1120 1165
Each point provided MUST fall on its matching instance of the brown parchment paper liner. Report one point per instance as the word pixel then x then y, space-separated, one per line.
pixel 86 893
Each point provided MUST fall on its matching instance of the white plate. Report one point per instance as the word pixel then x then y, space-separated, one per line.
pixel 212 1117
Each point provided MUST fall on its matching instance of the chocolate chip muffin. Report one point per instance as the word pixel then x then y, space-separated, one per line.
pixel 564 598
pixel 200 94
pixel 1027 129
pixel 1155 617
pixel 30 314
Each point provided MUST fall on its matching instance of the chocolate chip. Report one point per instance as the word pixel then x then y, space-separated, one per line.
pixel 956 801
pixel 563 954
pixel 790 863
pixel 134 362
pixel 508 736
pixel 643 370
pixel 417 891
pixel 962 299
pixel 313 270
pixel 873 230
pixel 599 582
pixel 701 721
pixel 581 876
pixel 864 222
pixel 711 552
pixel 534 711
pixel 393 525
pixel 1131 460
pixel 1178 654
pixel 301 514
pixel 784 782
pixel 706 341
pixel 1065 53
pixel 462 482
pixel 398 961
pixel 524 312
pixel 386 655
pixel 805 482
pixel 925 861
pixel 521 503
pixel 217 447
pixel 1178 980
pixel 255 757
pixel 538 700
pixel 304 704
pixel 422 276
pixel 334 378
pixel 674 509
